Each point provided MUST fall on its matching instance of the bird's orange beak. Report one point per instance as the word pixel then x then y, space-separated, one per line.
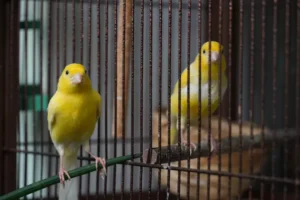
pixel 215 56
pixel 77 79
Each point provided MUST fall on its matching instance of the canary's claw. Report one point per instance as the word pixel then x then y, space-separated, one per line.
pixel 103 163
pixel 213 145
pixel 191 145
pixel 62 173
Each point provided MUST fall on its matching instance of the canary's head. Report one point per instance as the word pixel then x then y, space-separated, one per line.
pixel 216 53
pixel 74 78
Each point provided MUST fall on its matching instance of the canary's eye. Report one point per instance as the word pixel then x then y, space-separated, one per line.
pixel 85 71
pixel 67 72
pixel 222 51
pixel 203 51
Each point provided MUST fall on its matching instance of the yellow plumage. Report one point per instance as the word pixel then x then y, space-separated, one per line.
pixel 216 54
pixel 73 112
pixel 79 114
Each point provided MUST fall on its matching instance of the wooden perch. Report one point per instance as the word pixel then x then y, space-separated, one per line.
pixel 123 62
pixel 152 155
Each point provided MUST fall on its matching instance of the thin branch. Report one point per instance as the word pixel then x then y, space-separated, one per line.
pixel 55 179
pixel 202 150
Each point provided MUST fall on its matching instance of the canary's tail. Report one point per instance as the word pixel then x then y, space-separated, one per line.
pixel 70 190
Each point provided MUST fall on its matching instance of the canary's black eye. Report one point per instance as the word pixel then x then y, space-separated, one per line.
pixel 67 72
pixel 222 51
pixel 203 51
pixel 85 71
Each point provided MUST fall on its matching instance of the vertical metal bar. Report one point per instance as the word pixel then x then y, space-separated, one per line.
pixel 262 93
pixel 141 95
pixel 41 114
pixel 26 93
pixel 180 118
pixel 74 47
pixel 188 94
pixel 169 84
pixel 57 72
pixel 297 144
pixel 274 89
pixel 115 96
pixel 150 88
pixel 240 104
pixel 229 93
pixel 11 101
pixel 209 92
pixel 99 85
pixel 33 92
pixel 286 92
pixel 57 40
pixel 89 70
pixel 251 92
pixel 81 61
pixel 219 93
pixel 132 96
pixel 10 63
pixel 89 67
pixel 49 82
pixel 3 62
pixel 106 92
pixel 159 94
pixel 123 95
pixel 65 33
pixel 73 60
pixel 199 95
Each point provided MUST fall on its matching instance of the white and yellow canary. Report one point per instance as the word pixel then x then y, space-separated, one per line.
pixel 216 56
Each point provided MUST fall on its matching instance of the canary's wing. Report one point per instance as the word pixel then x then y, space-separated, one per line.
pixel 51 112
pixel 183 80
pixel 174 103
pixel 184 76
pixel 98 101
pixel 97 96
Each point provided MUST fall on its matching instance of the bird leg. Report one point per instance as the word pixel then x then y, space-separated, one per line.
pixel 184 141
pixel 213 144
pixel 98 160
pixel 62 172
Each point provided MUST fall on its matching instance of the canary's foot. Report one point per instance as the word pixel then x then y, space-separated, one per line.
pixel 213 145
pixel 185 142
pixel 103 163
pixel 62 173
pixel 191 145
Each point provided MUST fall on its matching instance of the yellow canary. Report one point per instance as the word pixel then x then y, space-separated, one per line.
pixel 73 112
pixel 216 53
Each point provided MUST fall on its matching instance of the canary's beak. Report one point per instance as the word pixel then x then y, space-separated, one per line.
pixel 77 78
pixel 215 56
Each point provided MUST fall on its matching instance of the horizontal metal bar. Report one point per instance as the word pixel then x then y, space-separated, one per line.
pixel 219 173
pixel 93 141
